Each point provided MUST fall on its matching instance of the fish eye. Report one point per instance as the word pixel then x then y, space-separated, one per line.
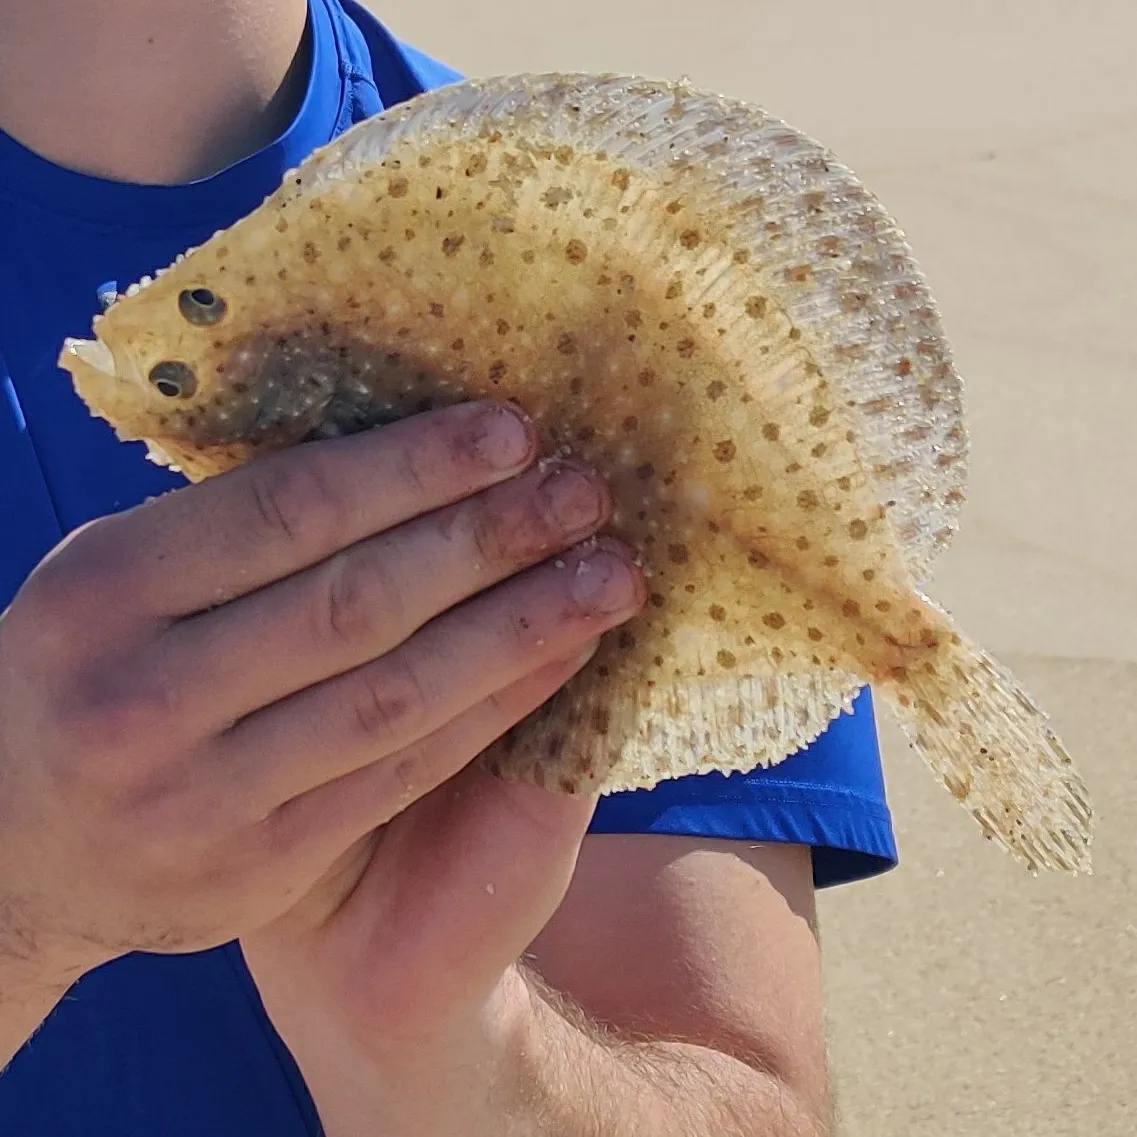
pixel 173 379
pixel 201 306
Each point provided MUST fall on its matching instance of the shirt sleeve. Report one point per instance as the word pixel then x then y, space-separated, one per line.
pixel 829 796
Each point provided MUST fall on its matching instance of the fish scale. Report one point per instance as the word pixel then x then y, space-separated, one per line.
pixel 694 298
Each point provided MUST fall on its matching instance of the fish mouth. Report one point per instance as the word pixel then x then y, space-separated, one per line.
pixel 93 354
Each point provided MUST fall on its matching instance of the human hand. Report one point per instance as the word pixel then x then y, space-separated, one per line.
pixel 206 700
pixel 396 982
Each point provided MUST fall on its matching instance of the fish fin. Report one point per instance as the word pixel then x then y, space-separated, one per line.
pixel 993 748
pixel 828 255
pixel 594 738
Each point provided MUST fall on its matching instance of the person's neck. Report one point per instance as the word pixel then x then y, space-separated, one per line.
pixel 150 91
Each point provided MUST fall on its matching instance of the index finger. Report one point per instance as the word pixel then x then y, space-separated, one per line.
pixel 228 536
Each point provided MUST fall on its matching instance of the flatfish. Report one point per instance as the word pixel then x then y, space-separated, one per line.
pixel 708 307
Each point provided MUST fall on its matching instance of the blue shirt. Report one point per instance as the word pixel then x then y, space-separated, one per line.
pixel 155 1046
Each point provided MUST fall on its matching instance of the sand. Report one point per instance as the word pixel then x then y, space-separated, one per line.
pixel 965 998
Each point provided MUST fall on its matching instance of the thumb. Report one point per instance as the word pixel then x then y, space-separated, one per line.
pixel 483 865
pixel 502 855
pixel 515 848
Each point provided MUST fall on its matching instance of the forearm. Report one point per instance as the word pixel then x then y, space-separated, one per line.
pixel 578 1081
pixel 33 978
pixel 27 997
pixel 554 1074
pixel 21 1015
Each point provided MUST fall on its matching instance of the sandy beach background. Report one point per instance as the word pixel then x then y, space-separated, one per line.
pixel 965 997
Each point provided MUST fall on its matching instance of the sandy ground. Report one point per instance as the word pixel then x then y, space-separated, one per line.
pixel 965 997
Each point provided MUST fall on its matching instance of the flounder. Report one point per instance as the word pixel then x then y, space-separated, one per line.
pixel 702 303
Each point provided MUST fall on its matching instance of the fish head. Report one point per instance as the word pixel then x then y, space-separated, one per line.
pixel 186 362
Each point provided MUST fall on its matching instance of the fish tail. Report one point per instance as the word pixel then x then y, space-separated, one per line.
pixel 992 747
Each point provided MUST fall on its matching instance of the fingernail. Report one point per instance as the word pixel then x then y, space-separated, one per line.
pixel 586 655
pixel 602 582
pixel 573 497
pixel 505 438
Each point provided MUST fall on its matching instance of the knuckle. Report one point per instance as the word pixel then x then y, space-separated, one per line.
pixel 60 592
pixel 360 598
pixel 407 775
pixel 114 727
pixel 491 538
pixel 387 704
pixel 415 469
pixel 524 634
pixel 294 502
pixel 440 451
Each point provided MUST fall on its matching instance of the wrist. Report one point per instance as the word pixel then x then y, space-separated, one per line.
pixel 36 962
pixel 33 964
pixel 30 987
pixel 483 1070
pixel 480 1079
